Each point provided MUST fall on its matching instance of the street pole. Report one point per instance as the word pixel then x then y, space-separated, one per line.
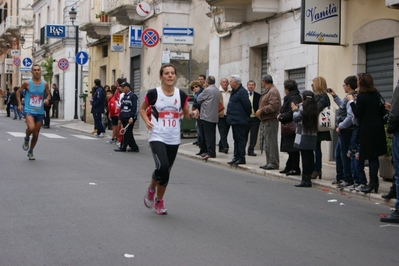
pixel 76 71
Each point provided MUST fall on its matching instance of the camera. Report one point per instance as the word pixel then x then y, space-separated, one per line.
pixel 329 90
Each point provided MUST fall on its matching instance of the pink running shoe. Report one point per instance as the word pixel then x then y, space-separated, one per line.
pixel 149 198
pixel 158 205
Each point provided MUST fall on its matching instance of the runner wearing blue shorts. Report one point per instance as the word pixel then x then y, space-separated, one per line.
pixel 37 94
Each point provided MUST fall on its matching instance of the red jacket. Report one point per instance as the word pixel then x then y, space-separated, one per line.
pixel 113 109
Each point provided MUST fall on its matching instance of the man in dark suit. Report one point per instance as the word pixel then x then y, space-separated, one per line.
pixel 253 122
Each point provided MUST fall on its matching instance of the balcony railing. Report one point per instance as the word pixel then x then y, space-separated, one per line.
pixel 10 24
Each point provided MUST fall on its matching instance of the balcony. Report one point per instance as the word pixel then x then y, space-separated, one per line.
pixel 9 29
pixel 96 29
pixel 124 12
pixel 245 10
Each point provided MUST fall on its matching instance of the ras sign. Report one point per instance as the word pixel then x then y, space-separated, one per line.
pixel 55 31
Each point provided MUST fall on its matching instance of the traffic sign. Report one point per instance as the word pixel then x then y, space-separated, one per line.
pixel 178 35
pixel 25 69
pixel 27 62
pixel 150 37
pixel 143 9
pixel 15 52
pixel 117 43
pixel 135 36
pixel 81 58
pixel 16 61
pixel 63 64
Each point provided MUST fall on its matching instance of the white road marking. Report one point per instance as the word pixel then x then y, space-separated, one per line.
pixel 52 136
pixel 83 137
pixel 17 134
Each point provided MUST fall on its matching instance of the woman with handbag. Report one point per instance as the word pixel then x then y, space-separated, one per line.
pixel 369 110
pixel 306 115
pixel 319 87
pixel 288 127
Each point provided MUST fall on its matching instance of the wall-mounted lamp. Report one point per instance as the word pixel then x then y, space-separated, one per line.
pixel 22 42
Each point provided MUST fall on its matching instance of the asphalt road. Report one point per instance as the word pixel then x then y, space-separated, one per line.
pixel 80 203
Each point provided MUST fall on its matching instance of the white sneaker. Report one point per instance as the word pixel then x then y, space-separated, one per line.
pixel 101 135
pixel 111 141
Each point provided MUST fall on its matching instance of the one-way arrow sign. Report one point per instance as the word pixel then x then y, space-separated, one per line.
pixel 81 58
pixel 178 31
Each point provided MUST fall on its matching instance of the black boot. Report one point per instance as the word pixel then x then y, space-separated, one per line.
pixel 392 218
pixel 392 191
pixel 306 182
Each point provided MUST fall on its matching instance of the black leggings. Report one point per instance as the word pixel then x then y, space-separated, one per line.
pixel 164 157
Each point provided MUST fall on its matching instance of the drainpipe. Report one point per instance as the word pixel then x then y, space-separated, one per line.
pixel 344 12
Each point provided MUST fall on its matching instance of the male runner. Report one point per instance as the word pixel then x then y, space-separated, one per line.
pixel 37 93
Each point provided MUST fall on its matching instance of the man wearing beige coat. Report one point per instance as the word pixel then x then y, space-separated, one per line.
pixel 269 108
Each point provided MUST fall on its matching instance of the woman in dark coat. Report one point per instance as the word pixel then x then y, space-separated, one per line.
pixel 369 110
pixel 292 95
pixel 319 87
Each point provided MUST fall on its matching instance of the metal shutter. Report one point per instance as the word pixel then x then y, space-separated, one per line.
pixel 379 64
pixel 264 64
pixel 136 83
pixel 299 76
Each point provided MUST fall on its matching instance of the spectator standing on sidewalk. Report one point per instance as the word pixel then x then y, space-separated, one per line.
pixel 225 92
pixel 196 88
pixel 167 103
pixel 393 131
pixel 369 110
pixel 14 102
pixel 345 127
pixel 209 116
pixel 306 115
pixel 47 108
pixel 97 108
pixel 319 87
pixel 238 112
pixel 252 129
pixel 7 101
pixel 269 108
pixel 56 99
pixel 292 95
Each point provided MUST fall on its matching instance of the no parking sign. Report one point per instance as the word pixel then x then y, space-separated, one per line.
pixel 63 64
pixel 150 37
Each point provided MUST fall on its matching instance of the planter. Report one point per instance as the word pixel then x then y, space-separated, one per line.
pixel 103 18
pixel 386 170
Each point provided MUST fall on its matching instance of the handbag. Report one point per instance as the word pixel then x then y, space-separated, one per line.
pixel 288 128
pixel 326 120
pixel 221 107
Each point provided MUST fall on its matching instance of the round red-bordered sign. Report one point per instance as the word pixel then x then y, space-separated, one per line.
pixel 63 63
pixel 150 37
pixel 16 61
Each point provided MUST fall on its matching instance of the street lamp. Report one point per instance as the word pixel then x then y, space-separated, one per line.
pixel 22 42
pixel 72 16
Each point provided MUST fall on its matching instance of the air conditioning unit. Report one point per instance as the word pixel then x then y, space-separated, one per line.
pixel 392 4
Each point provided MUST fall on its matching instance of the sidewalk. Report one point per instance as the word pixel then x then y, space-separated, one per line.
pixel 253 163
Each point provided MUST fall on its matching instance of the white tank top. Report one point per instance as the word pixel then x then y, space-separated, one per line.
pixel 167 127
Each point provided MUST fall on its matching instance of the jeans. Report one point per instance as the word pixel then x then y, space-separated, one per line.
pixel 358 173
pixel 16 112
pixel 395 155
pixel 343 162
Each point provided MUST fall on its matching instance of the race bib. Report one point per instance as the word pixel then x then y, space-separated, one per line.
pixel 169 119
pixel 36 101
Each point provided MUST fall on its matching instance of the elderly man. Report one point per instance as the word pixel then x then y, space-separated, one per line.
pixel 223 127
pixel 269 108
pixel 238 112
pixel 253 122
pixel 209 116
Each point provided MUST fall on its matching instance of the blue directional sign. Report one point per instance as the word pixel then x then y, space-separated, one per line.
pixel 82 58
pixel 27 62
pixel 135 36
pixel 178 35
pixel 55 31
pixel 178 31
